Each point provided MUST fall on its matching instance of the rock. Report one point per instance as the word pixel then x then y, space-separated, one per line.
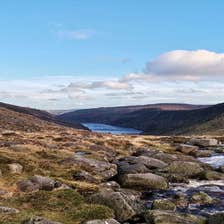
pixel 15 168
pixel 203 153
pixel 8 133
pixel 39 220
pixel 212 175
pixel 163 204
pixel 110 184
pixel 204 142
pixel 99 221
pixel 201 198
pixel 221 169
pixel 141 164
pixel 104 170
pixel 143 181
pixel 217 218
pixel 84 176
pixel 116 201
pixel 37 183
pixel 168 217
pixel 187 149
pixel 184 169
pixel 126 168
pixel 7 210
pixel 165 157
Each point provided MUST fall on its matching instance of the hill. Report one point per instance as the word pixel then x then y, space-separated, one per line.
pixel 109 115
pixel 24 118
pixel 157 119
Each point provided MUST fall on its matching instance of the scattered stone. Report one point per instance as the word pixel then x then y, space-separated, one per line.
pixel 204 142
pixel 37 183
pixel 141 164
pixel 201 198
pixel 8 133
pixel 84 176
pixel 99 221
pixel 7 210
pixel 116 201
pixel 110 184
pixel 104 170
pixel 39 220
pixel 217 218
pixel 163 204
pixel 212 175
pixel 143 181
pixel 187 149
pixel 221 169
pixel 185 169
pixel 203 153
pixel 15 168
pixel 168 217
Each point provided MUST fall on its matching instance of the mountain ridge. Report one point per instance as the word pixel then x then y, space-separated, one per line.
pixel 156 119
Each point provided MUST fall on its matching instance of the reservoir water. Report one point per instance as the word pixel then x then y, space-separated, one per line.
pixel 105 128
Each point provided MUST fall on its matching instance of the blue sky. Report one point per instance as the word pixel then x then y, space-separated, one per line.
pixel 58 54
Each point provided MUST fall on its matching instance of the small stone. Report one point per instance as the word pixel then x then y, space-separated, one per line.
pixel 105 221
pixel 7 210
pixel 163 204
pixel 201 198
pixel 15 168
pixel 8 133
pixel 187 149
pixel 217 218
pixel 168 217
pixel 204 142
pixel 39 220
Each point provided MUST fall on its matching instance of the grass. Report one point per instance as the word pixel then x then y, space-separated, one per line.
pixel 66 206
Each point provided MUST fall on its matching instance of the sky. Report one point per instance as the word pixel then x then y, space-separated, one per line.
pixel 72 54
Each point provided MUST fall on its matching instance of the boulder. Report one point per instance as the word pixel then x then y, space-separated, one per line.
pixel 84 176
pixel 39 220
pixel 184 169
pixel 187 149
pixel 104 170
pixel 212 175
pixel 163 204
pixel 201 198
pixel 204 142
pixel 126 168
pixel 203 153
pixel 168 217
pixel 217 218
pixel 143 181
pixel 37 182
pixel 100 221
pixel 7 210
pixel 15 168
pixel 116 201
pixel 221 169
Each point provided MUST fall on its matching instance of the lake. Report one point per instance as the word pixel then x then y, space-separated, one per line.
pixel 105 128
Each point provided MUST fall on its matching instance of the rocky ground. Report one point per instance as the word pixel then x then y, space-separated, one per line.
pixel 61 175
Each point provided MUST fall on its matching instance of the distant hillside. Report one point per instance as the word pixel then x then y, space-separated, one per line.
pixel 109 115
pixel 158 119
pixel 161 122
pixel 24 118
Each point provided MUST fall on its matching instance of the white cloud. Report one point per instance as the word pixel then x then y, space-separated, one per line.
pixel 187 65
pixel 83 34
pixel 176 76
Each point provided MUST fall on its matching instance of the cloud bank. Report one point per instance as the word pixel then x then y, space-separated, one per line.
pixel 175 76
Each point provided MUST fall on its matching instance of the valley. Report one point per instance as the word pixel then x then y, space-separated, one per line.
pixel 54 174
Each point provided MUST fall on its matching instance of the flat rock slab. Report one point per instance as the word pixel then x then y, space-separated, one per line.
pixel 143 181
